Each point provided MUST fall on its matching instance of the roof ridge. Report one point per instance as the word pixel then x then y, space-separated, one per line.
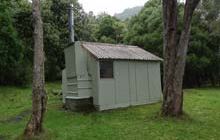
pixel 109 44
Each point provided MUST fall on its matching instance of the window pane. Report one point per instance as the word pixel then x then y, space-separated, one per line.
pixel 106 69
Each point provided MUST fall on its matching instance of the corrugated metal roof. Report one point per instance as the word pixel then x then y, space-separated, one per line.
pixel 122 52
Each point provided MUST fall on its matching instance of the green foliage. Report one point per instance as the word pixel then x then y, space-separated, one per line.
pixel 109 29
pixel 133 123
pixel 145 29
pixel 19 28
pixel 56 36
pixel 203 64
pixel 13 67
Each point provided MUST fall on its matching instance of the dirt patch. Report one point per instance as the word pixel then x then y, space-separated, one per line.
pixel 17 118
pixel 2 137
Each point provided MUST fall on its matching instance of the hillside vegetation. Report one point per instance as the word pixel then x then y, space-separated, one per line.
pixel 128 13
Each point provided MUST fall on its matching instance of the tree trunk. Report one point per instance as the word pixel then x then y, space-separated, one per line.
pixel 39 98
pixel 175 55
pixel 170 29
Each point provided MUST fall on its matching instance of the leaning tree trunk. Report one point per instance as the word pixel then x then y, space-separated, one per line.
pixel 175 55
pixel 39 98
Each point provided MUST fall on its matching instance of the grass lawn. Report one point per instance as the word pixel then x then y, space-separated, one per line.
pixel 202 121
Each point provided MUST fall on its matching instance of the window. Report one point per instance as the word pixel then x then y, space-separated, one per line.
pixel 106 69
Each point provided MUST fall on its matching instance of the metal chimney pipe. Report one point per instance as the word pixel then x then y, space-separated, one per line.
pixel 71 23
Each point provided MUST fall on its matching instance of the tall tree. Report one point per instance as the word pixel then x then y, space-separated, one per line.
pixel 39 98
pixel 175 51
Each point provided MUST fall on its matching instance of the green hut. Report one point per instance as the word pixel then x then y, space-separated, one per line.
pixel 109 76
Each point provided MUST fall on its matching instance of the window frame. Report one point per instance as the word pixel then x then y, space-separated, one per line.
pixel 111 62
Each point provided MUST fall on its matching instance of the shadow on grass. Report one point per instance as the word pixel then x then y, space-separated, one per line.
pixel 46 135
pixel 157 116
pixel 3 137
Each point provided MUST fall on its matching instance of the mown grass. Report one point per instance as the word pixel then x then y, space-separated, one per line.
pixel 202 121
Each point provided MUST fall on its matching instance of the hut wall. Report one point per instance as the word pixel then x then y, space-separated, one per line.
pixel 134 83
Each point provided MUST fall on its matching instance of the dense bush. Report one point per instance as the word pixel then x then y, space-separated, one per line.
pixel 144 30
pixel 14 69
